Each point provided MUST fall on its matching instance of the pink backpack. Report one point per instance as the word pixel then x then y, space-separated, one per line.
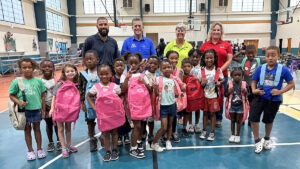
pixel 139 102
pixel 245 103
pixel 109 108
pixel 67 103
pixel 181 100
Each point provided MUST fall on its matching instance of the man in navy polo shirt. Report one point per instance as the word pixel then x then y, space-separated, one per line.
pixel 138 43
pixel 106 46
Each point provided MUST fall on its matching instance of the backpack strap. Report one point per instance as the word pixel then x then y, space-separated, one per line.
pixel 98 87
pixel 278 75
pixel 21 87
pixel 243 62
pixel 85 75
pixel 160 83
pixel 56 80
pixel 243 86
pixel 230 85
pixel 111 87
pixel 258 61
pixel 217 75
pixel 203 74
pixel 177 72
pixel 113 79
pixel 262 74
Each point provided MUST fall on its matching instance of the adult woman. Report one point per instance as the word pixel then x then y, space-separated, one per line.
pixel 224 51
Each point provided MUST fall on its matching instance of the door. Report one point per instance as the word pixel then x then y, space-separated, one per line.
pixel 251 42
pixel 153 37
pixel 289 45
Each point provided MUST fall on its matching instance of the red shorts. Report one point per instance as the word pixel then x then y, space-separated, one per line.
pixel 211 105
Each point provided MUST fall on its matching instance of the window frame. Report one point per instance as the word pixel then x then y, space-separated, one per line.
pixel 53 26
pixel 196 8
pixel 242 9
pixel 94 5
pixel 13 13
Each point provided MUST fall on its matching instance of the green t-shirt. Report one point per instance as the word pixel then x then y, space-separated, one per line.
pixel 33 89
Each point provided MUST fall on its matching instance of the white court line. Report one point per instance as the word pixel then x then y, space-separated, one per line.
pixel 4 111
pixel 59 156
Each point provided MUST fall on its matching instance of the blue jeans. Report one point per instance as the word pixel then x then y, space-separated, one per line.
pixel 219 115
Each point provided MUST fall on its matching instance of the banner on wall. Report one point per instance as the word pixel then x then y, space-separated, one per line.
pixel 50 44
pixel 57 46
pixel 34 45
pixel 9 42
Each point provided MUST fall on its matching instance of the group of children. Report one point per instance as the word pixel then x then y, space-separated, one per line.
pixel 121 102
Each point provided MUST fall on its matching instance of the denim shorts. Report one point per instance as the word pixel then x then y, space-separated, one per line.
pixel 236 109
pixel 168 110
pixel 33 115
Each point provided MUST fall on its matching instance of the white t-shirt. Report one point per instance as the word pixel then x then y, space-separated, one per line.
pixel 92 75
pixel 116 89
pixel 49 85
pixel 151 77
pixel 209 90
pixel 133 75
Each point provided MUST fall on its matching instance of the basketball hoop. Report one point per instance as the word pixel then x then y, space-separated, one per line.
pixel 280 22
pixel 123 26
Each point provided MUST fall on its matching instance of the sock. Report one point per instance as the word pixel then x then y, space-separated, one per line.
pixel 267 138
pixel 139 141
pixel 133 148
pixel 257 140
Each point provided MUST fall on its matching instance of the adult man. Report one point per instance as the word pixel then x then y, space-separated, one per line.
pixel 138 43
pixel 106 46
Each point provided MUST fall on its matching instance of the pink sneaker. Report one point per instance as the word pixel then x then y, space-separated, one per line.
pixel 72 149
pixel 31 156
pixel 65 153
pixel 41 154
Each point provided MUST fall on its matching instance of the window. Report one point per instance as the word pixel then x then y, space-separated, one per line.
pixel 247 5
pixel 174 6
pixel 54 22
pixel 55 4
pixel 127 3
pixel 294 2
pixel 98 6
pixel 11 11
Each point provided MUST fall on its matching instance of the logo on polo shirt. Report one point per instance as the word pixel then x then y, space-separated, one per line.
pixel 221 45
pixel 133 45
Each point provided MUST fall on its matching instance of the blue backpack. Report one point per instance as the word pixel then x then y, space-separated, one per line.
pixel 89 85
pixel 277 76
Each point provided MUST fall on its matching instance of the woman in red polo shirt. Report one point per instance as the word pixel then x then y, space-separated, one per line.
pixel 224 51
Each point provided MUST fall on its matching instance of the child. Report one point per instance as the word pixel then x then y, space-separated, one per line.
pixel 173 57
pixel 87 78
pixel 249 64
pixel 34 105
pixel 105 74
pixel 235 94
pixel 195 56
pixel 167 105
pixel 211 83
pixel 153 64
pixel 267 86
pixel 47 67
pixel 134 61
pixel 69 75
pixel 123 131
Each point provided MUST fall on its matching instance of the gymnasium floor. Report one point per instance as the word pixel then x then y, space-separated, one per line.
pixel 189 153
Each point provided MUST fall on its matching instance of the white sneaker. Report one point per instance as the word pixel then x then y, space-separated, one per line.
pixel 211 137
pixel 267 144
pixel 231 138
pixel 203 135
pixel 237 139
pixel 259 146
pixel 168 145
pixel 197 129
pixel 156 147
pixel 191 129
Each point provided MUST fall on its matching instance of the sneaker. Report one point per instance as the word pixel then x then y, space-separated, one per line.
pixel 184 133
pixel 197 129
pixel 259 146
pixel 120 142
pixel 58 146
pixel 41 154
pixel 114 155
pixel 231 138
pixel 218 124
pixel 175 137
pixel 126 140
pixel 140 146
pixel 50 147
pixel 93 144
pixel 191 129
pixel 202 135
pixel 72 149
pixel 237 139
pixel 168 145
pixel 65 153
pixel 156 147
pixel 107 156
pixel 150 138
pixel 136 153
pixel 211 137
pixel 180 121
pixel 31 156
pixel 267 144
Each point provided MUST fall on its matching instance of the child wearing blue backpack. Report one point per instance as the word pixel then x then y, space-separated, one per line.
pixel 267 86
pixel 86 80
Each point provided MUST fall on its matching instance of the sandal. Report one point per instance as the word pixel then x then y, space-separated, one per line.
pixel 41 154
pixel 31 156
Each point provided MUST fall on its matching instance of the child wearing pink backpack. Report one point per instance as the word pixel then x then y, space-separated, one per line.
pixel 66 106
pixel 237 105
pixel 136 87
pixel 109 109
